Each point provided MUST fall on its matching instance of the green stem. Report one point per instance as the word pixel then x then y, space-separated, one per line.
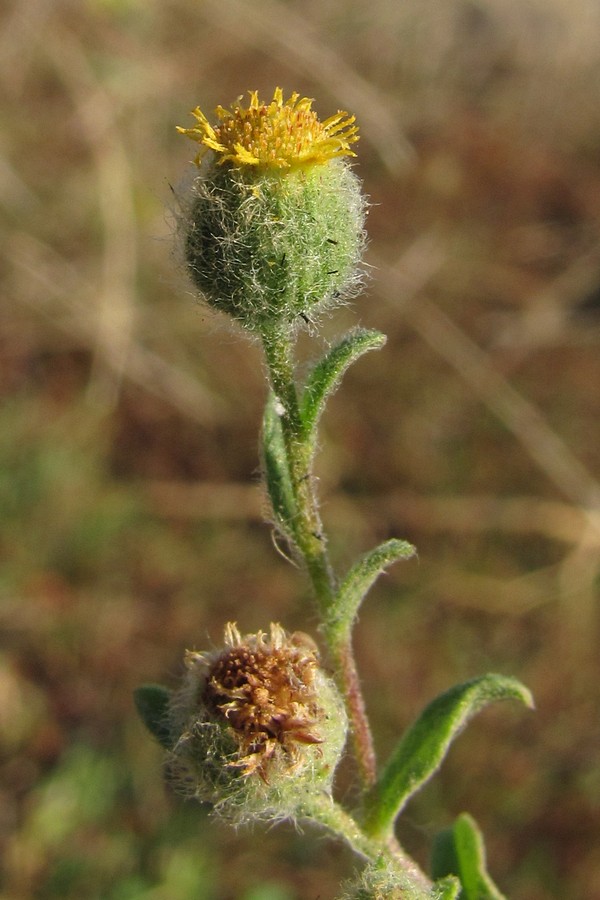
pixel 308 531
pixel 311 543
pixel 323 810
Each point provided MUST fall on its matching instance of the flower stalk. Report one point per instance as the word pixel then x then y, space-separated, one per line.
pixel 308 529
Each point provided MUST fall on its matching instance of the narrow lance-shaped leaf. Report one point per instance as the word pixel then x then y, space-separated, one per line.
pixel 360 578
pixel 423 747
pixel 460 851
pixel 152 704
pixel 328 372
pixel 275 467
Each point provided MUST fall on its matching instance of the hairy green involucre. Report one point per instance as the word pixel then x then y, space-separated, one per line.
pixel 271 248
pixel 380 880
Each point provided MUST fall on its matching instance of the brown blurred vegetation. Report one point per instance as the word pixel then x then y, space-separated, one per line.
pixel 130 516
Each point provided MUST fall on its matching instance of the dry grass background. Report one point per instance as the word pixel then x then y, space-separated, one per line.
pixel 129 515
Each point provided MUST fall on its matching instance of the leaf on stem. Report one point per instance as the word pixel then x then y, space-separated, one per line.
pixel 152 704
pixel 360 578
pixel 328 372
pixel 460 851
pixel 276 471
pixel 423 747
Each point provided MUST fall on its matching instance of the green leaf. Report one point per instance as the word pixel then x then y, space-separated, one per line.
pixel 276 471
pixel 328 372
pixel 360 578
pixel 422 748
pixel 460 851
pixel 152 704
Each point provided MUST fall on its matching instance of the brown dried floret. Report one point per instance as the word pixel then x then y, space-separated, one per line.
pixel 264 688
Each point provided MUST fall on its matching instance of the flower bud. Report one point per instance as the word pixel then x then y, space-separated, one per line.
pixel 378 881
pixel 257 726
pixel 273 225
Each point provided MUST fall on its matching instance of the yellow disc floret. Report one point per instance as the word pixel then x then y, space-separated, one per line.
pixel 281 134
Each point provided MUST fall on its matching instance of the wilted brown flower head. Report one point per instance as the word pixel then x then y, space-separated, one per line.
pixel 257 724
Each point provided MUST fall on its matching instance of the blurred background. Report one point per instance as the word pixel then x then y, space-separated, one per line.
pixel 130 510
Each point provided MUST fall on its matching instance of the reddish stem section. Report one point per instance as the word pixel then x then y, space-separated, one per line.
pixel 361 732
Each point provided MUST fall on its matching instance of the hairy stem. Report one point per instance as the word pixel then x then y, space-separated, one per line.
pixel 308 530
pixel 334 818
pixel 310 539
pixel 363 739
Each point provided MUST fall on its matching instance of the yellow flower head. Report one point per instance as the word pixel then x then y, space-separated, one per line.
pixel 276 135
